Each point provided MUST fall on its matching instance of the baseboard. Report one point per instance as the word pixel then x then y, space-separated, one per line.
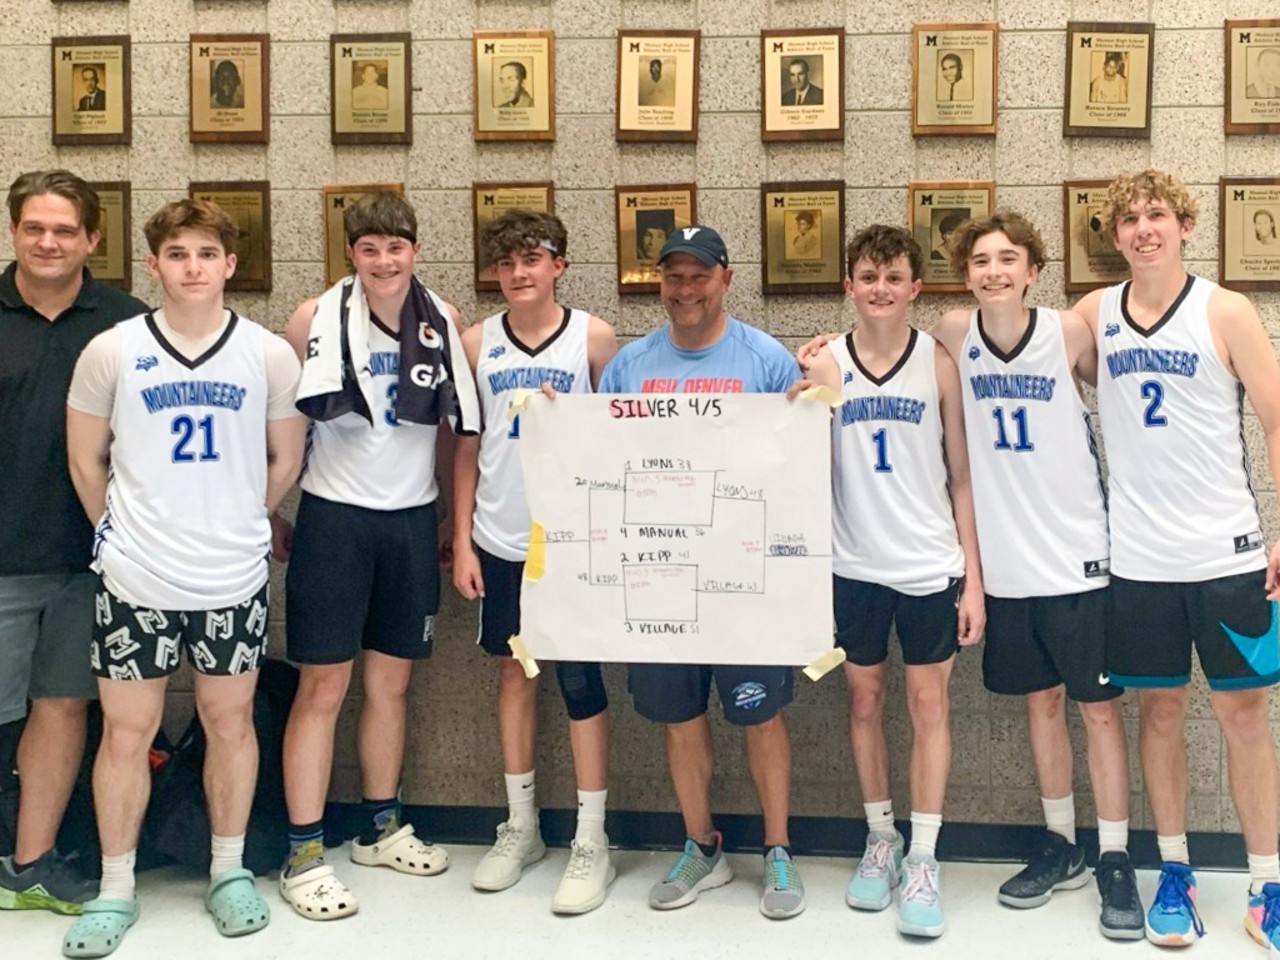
pixel 814 836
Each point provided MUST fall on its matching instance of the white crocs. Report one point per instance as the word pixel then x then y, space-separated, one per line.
pixel 318 895
pixel 402 851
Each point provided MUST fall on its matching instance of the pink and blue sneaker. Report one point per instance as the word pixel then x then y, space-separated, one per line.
pixel 1262 919
pixel 1172 920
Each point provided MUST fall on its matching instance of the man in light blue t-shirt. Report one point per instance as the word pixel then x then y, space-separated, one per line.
pixel 704 350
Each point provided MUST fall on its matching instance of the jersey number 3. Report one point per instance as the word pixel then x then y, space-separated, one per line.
pixel 185 429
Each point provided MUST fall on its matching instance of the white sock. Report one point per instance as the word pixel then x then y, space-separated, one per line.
pixel 1173 848
pixel 228 854
pixel 1060 815
pixel 520 796
pixel 117 876
pixel 591 816
pixel 924 833
pixel 1113 836
pixel 880 818
pixel 1263 868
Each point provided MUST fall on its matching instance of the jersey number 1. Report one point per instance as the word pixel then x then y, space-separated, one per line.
pixel 1019 418
pixel 185 428
pixel 882 453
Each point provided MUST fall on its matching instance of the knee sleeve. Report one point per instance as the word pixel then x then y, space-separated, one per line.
pixel 582 687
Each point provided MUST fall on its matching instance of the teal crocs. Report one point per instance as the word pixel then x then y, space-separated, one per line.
pixel 100 928
pixel 234 902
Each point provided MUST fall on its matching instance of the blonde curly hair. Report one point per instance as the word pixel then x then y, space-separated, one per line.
pixel 1152 184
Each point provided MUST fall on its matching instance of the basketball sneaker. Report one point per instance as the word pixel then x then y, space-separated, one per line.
pixel 1262 918
pixel 783 889
pixel 920 897
pixel 1121 917
pixel 1057 865
pixel 50 883
pixel 1172 920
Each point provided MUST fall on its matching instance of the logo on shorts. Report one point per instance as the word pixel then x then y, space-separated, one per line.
pixel 1097 568
pixel 120 644
pixel 1112 329
pixel 428 623
pixel 974 353
pixel 1103 680
pixel 244 660
pixel 1262 652
pixel 497 351
pixel 1248 542
pixel 749 695
pixel 146 363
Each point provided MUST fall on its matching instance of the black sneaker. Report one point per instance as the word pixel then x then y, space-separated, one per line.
pixel 1122 916
pixel 48 884
pixel 1057 865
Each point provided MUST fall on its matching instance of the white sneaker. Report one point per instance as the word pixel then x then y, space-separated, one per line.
pixel 519 844
pixel 586 878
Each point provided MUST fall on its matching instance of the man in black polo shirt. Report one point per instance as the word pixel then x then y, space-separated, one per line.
pixel 50 308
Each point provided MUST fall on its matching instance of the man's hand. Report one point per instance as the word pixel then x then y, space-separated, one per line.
pixel 1273 573
pixel 799 387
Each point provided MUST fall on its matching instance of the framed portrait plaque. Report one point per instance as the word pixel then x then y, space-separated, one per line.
pixel 802 84
pixel 953 78
pixel 1253 76
pixel 370 85
pixel 1091 259
pixel 248 203
pixel 112 260
pixel 658 85
pixel 646 214
pixel 935 209
pixel 91 90
pixel 230 98
pixel 513 85
pixel 1249 233
pixel 803 236
pixel 1109 69
pixel 336 200
pixel 490 200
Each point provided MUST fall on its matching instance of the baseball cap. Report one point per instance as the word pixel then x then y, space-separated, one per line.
pixel 701 243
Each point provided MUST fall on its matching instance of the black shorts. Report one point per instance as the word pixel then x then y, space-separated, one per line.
pixel 677 692
pixel 1036 643
pixel 581 684
pixel 141 643
pixel 1151 628
pixel 865 612
pixel 361 579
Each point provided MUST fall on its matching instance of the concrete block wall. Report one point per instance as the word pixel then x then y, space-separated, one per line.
pixel 453 750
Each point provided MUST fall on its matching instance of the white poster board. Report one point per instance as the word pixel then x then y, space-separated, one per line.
pixel 677 528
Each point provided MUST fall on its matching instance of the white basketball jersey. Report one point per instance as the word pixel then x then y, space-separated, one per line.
pixel 891 517
pixel 501 522
pixel 1182 509
pixel 186 521
pixel 388 465
pixel 1037 489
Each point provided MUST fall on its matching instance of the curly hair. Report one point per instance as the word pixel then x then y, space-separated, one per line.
pixel 882 244
pixel 519 230
pixel 1152 184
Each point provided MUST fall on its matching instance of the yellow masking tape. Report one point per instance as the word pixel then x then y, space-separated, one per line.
pixel 521 653
pixel 825 394
pixel 535 563
pixel 519 399
pixel 825 663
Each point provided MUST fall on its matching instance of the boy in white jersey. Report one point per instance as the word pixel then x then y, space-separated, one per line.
pixel 363 576
pixel 1042 525
pixel 1177 354
pixel 534 341
pixel 905 553
pixel 182 437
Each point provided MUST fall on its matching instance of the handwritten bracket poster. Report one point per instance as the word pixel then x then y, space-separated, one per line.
pixel 687 528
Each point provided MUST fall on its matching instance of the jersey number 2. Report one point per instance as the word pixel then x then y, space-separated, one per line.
pixel 1151 417
pixel 185 428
